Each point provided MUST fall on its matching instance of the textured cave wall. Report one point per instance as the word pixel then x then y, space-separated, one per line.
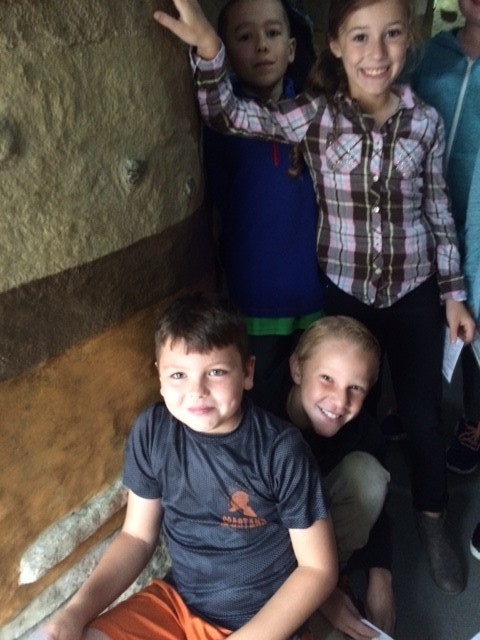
pixel 101 223
pixel 98 159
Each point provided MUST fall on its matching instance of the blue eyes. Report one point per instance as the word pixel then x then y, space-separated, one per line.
pixel 217 372
pixel 213 373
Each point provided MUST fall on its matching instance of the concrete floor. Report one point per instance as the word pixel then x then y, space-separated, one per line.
pixel 424 612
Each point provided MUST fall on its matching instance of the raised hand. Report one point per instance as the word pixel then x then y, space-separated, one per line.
pixel 192 27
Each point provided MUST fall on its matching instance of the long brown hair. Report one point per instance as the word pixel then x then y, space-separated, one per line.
pixel 327 75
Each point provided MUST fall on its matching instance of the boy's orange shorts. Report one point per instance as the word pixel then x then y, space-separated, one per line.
pixel 158 613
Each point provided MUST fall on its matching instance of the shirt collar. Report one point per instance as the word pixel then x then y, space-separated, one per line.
pixel 350 107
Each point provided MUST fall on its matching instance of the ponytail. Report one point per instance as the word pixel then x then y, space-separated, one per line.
pixel 326 76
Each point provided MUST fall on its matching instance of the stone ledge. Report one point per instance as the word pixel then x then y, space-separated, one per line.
pixel 57 594
pixel 58 541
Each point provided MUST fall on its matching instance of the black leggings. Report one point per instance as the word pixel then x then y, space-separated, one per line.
pixel 411 334
pixel 272 379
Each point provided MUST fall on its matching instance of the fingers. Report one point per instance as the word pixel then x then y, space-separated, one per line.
pixel 468 330
pixel 453 333
pixel 464 329
pixel 342 614
pixel 460 322
pixel 192 27
pixel 173 25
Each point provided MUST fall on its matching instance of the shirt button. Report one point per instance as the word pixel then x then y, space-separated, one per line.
pixel 375 178
pixel 375 209
pixel 378 271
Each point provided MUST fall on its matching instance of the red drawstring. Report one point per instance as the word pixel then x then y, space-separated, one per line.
pixel 276 155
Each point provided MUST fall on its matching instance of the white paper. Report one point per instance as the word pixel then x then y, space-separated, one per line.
pixel 451 353
pixel 382 635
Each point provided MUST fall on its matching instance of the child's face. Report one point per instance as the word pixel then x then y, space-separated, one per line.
pixel 334 382
pixel 372 44
pixel 204 390
pixel 258 46
pixel 470 9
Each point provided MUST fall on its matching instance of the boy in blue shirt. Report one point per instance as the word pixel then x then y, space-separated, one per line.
pixel 236 492
pixel 268 218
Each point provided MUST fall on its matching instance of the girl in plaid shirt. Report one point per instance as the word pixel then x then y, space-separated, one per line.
pixel 386 236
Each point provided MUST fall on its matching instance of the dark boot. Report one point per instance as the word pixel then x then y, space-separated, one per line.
pixel 445 566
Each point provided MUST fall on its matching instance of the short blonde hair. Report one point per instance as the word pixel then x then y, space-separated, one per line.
pixel 337 328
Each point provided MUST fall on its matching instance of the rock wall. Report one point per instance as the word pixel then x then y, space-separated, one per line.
pixel 101 224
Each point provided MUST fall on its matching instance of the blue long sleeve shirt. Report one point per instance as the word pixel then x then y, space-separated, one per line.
pixel 268 225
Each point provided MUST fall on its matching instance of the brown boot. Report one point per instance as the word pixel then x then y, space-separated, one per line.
pixel 445 566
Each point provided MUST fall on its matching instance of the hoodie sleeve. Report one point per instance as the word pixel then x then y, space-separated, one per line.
pixel 472 243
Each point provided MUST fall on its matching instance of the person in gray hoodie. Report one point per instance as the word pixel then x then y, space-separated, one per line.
pixel 472 275
pixel 448 78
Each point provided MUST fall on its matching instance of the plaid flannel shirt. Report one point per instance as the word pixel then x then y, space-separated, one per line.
pixel 385 224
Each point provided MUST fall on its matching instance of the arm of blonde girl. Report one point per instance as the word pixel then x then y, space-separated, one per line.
pixel 192 27
pixel 380 601
pixel 344 616
pixel 459 320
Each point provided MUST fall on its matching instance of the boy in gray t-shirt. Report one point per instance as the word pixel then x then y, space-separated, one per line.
pixel 237 494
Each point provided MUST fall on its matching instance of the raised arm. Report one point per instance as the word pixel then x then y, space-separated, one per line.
pixel 286 121
pixel 120 565
pixel 303 591
pixel 192 27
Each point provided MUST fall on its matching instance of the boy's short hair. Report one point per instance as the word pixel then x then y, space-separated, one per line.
pixel 223 16
pixel 204 321
pixel 337 328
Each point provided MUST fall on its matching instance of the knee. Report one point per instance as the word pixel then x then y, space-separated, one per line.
pixel 367 480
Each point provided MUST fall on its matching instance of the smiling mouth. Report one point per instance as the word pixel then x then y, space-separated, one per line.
pixel 329 414
pixel 373 73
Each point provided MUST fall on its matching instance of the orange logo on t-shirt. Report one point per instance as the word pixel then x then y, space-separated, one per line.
pixel 239 501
